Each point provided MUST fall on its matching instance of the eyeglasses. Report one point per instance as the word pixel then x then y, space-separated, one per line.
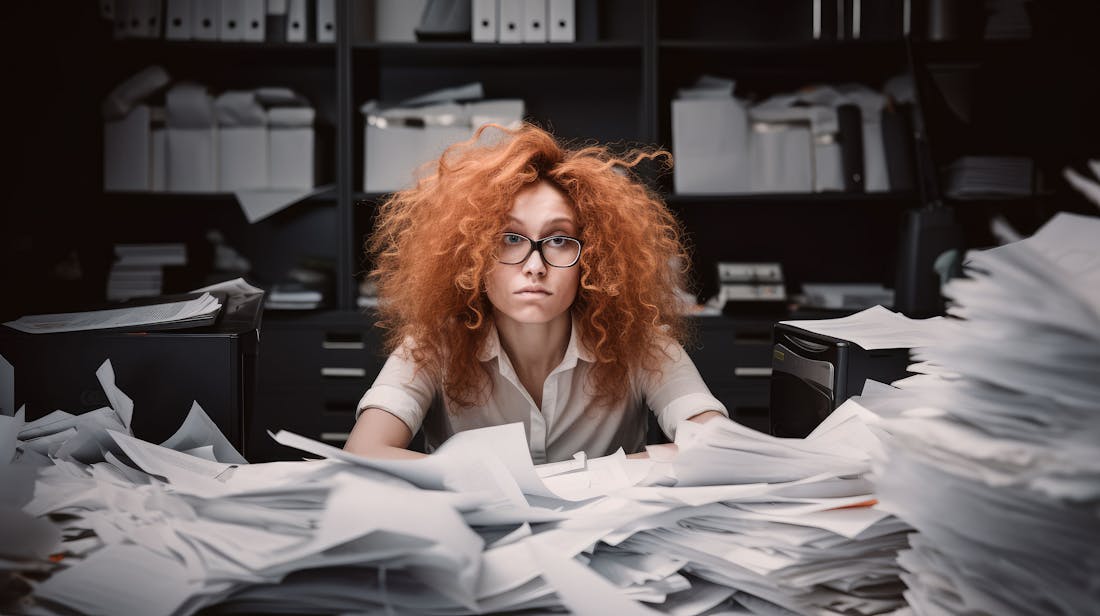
pixel 556 250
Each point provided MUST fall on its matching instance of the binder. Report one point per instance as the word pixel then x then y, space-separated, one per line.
pixel 154 18
pixel 326 21
pixel 121 17
pixel 444 20
pixel 511 21
pixel 850 125
pixel 230 22
pixel 483 21
pixel 275 21
pixel 560 21
pixel 253 20
pixel 296 25
pixel 137 18
pixel 205 17
pixel 897 140
pixel 177 20
pixel 107 9
pixel 534 21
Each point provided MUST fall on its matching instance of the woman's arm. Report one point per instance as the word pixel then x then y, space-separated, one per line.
pixel 378 434
pixel 666 451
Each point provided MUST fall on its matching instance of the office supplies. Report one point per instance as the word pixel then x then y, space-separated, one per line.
pixel 178 19
pixel 813 372
pixel 445 20
pixel 205 20
pixel 190 139
pixel 483 21
pixel 999 424
pixel 253 21
pixel 297 21
pixel 710 139
pixel 534 21
pixel 231 21
pixel 751 288
pixel 511 21
pixel 850 130
pixel 561 21
pixel 242 141
pixel 325 21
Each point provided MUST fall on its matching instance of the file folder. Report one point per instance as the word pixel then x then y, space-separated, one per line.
pixel 296 25
pixel 511 21
pixel 326 21
pixel 850 124
pixel 229 26
pixel 483 21
pixel 206 16
pixel 534 21
pixel 560 21
pixel 177 20
pixel 254 20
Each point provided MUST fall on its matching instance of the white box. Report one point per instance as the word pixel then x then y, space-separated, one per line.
pixel 192 159
pixel 290 157
pixel 534 21
pixel 483 21
pixel 127 151
pixel 560 21
pixel 397 152
pixel 782 157
pixel 710 146
pixel 242 157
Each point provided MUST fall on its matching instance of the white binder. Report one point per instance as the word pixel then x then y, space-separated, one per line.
pixel 326 21
pixel 296 21
pixel 511 21
pixel 177 20
pixel 560 17
pixel 253 19
pixel 534 21
pixel 483 21
pixel 205 17
pixel 230 25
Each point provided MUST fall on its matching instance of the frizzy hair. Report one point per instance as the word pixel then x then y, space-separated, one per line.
pixel 433 246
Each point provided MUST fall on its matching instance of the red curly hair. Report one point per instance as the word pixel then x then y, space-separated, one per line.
pixel 433 245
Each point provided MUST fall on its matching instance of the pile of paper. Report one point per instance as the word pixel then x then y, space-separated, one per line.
pixel 995 452
pixel 98 521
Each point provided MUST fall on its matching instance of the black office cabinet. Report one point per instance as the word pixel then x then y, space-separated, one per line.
pixel 313 370
pixel 163 372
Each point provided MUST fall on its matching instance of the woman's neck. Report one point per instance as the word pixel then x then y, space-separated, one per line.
pixel 535 349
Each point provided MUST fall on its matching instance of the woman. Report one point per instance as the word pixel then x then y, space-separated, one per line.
pixel 524 281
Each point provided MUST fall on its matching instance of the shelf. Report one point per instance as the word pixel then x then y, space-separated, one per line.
pixel 183 198
pixel 141 45
pixel 462 54
pixel 826 198
pixel 783 47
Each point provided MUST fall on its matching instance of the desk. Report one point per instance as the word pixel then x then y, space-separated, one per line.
pixel 162 371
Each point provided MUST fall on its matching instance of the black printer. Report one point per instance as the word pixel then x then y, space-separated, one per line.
pixel 812 374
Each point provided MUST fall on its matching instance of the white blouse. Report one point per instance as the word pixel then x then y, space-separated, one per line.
pixel 568 421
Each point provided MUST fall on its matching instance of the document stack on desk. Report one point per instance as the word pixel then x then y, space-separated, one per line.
pixel 473 528
pixel 995 456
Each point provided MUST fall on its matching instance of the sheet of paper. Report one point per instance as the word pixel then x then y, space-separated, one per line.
pixel 117 317
pixel 198 430
pixel 120 402
pixel 877 328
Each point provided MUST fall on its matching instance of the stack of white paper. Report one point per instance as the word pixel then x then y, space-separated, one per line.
pixel 996 452
pixel 739 521
pixel 139 269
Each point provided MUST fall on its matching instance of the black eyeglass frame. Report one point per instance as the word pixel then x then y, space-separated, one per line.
pixel 536 246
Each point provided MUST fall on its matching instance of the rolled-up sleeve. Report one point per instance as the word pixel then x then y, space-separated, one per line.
pixel 678 392
pixel 401 390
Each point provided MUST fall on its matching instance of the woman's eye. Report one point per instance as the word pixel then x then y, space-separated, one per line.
pixel 556 242
pixel 512 238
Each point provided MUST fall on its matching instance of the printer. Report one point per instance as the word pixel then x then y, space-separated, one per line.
pixel 813 373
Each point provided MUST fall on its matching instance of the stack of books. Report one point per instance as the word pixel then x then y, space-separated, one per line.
pixel 139 269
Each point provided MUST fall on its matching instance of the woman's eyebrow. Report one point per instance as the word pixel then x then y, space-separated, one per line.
pixel 560 221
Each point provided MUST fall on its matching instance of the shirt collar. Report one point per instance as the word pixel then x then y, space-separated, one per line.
pixel 573 351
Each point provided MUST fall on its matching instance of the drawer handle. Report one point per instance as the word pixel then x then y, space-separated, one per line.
pixel 343 345
pixel 344 373
pixel 752 372
pixel 335 437
pixel 352 341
